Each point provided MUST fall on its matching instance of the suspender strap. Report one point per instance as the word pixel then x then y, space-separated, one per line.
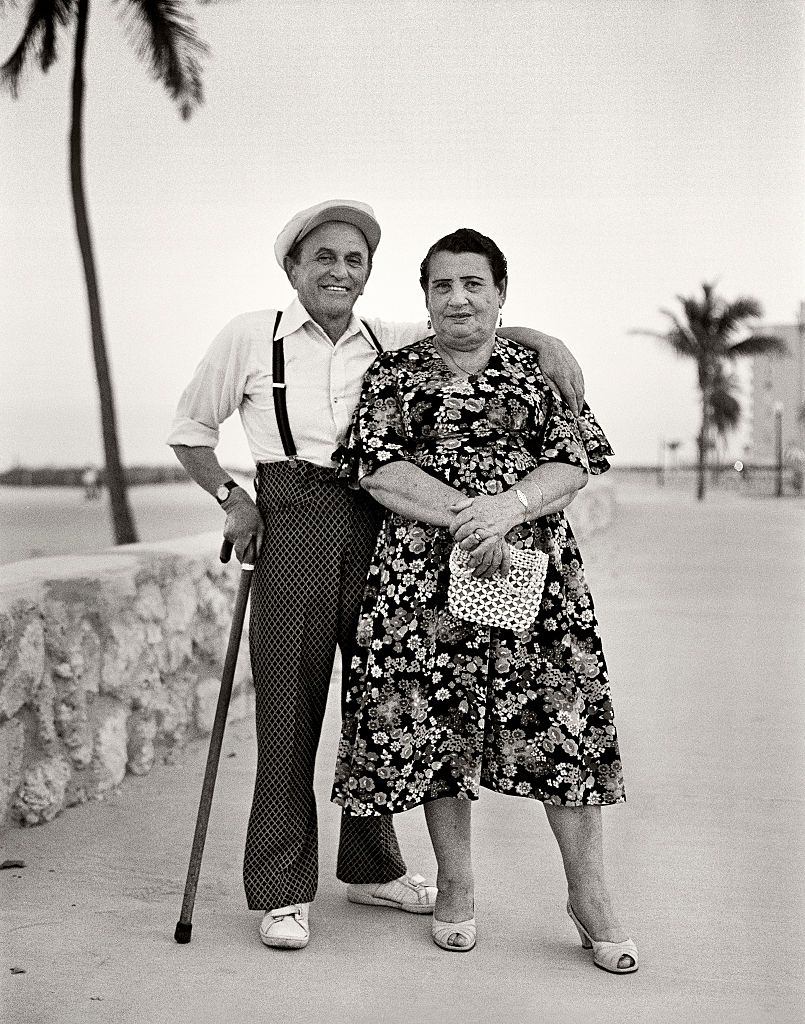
pixel 278 370
pixel 371 333
pixel 280 406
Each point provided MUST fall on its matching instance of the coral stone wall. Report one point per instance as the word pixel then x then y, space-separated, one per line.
pixel 109 663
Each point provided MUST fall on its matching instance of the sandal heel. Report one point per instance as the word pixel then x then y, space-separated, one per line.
pixel 606 955
pixel 586 941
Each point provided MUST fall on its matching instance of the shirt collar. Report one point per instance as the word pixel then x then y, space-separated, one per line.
pixel 296 316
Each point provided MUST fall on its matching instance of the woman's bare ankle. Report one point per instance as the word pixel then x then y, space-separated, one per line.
pixel 455 898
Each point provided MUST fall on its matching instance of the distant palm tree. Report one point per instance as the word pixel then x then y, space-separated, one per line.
pixel 705 332
pixel 164 35
pixel 725 410
pixel 725 405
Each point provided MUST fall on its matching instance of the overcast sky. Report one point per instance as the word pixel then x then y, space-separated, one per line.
pixel 618 152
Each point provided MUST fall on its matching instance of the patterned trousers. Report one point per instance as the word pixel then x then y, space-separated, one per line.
pixel 305 601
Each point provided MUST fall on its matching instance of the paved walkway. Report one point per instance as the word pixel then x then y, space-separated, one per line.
pixel 701 610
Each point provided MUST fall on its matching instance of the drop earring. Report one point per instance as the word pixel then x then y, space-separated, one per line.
pixel 500 319
pixel 430 326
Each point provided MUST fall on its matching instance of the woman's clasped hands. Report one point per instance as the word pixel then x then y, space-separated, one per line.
pixel 480 526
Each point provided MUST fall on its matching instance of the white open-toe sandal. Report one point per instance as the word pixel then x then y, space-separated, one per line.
pixel 606 955
pixel 443 930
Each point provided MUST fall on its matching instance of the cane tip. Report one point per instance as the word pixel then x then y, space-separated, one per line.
pixel 183 931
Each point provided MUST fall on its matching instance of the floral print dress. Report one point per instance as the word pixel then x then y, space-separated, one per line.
pixel 436 706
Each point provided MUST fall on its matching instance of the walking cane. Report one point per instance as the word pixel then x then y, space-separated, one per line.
pixel 184 926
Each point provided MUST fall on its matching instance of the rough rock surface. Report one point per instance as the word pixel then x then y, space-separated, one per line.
pixel 108 665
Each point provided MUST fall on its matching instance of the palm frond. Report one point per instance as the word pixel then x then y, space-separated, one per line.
pixel 644 332
pixel 735 313
pixel 163 34
pixel 758 345
pixel 697 314
pixel 725 412
pixel 701 316
pixel 39 36
pixel 725 406
pixel 674 337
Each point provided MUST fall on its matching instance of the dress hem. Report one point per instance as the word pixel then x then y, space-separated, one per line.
pixel 379 810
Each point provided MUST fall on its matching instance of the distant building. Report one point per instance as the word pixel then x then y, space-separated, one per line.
pixel 778 383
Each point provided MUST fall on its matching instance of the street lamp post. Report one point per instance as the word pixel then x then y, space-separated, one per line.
pixel 778 445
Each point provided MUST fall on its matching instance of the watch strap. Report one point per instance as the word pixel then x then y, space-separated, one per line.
pixel 230 486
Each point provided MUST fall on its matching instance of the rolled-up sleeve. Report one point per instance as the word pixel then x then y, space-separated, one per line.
pixel 215 391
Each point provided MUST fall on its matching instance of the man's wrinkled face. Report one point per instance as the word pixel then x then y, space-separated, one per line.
pixel 332 270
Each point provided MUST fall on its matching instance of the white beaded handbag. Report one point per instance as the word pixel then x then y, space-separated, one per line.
pixel 510 602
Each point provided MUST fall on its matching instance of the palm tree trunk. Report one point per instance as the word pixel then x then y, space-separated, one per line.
pixel 705 431
pixel 122 521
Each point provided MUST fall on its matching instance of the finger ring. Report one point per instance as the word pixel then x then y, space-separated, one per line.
pixel 477 535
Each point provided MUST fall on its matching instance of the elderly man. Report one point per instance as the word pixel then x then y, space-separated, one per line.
pixel 294 376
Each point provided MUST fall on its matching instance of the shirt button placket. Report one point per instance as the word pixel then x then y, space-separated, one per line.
pixel 338 387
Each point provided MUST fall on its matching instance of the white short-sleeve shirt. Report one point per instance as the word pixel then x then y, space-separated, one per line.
pixel 323 382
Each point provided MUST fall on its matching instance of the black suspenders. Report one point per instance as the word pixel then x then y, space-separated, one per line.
pixel 280 406
pixel 278 370
pixel 375 342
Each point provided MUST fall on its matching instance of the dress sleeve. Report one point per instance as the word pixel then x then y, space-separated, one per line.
pixel 575 440
pixel 377 434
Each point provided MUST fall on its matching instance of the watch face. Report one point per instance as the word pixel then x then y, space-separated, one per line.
pixel 222 493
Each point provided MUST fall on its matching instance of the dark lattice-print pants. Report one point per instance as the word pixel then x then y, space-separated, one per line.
pixel 305 600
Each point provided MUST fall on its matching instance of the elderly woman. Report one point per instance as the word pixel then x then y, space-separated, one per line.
pixel 462 440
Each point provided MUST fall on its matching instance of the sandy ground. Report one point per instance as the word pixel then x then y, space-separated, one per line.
pixel 701 610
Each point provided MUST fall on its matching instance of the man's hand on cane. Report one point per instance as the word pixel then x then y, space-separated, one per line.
pixel 243 522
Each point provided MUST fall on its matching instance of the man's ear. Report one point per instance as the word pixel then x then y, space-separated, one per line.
pixel 502 290
pixel 290 268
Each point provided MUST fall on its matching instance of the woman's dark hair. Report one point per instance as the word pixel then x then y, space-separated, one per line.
pixel 467 240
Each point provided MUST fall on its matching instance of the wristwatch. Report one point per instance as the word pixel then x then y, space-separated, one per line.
pixel 223 492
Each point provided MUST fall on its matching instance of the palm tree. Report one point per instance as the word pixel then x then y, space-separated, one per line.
pixel 164 35
pixel 706 332
pixel 725 406
pixel 725 411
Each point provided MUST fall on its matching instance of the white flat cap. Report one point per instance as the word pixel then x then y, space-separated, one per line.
pixel 346 210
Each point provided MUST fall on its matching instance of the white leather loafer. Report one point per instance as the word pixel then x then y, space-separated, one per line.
pixel 286 927
pixel 410 893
